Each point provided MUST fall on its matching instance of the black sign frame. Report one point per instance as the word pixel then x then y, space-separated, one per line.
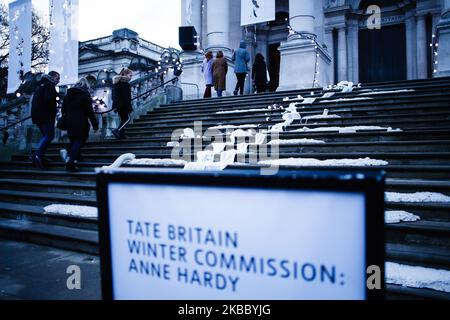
pixel 369 182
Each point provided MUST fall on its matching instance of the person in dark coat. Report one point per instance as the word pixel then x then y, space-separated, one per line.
pixel 122 100
pixel 220 70
pixel 78 112
pixel 43 114
pixel 259 73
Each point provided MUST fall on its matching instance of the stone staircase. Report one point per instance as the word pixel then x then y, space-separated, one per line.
pixel 418 157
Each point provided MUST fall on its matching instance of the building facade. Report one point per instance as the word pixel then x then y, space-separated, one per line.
pixel 323 42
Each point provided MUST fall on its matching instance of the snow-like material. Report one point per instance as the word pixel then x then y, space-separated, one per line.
pixel 218 147
pixel 345 86
pixel 240 134
pixel 260 138
pixel 205 156
pixel 309 101
pixel 328 95
pixel 242 148
pixel 417 197
pixel 299 98
pixel 188 133
pixel 417 277
pixel 228 157
pixel 289 117
pixel 295 142
pixel 240 111
pixel 305 162
pixel 234 127
pixel 205 166
pixel 155 162
pixel 324 115
pixel 173 144
pixel 387 92
pixel 123 159
pixel 71 210
pixel 346 100
pixel 352 129
pixel 400 216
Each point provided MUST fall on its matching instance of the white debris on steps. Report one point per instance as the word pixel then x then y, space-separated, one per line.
pixel 155 162
pixel 352 129
pixel 205 161
pixel 392 217
pixel 71 210
pixel 173 144
pixel 306 162
pixel 328 95
pixel 188 133
pixel 325 115
pixel 289 117
pixel 417 277
pixel 299 98
pixel 218 147
pixel 260 138
pixel 125 158
pixel 387 92
pixel 417 197
pixel 240 134
pixel 295 142
pixel 309 101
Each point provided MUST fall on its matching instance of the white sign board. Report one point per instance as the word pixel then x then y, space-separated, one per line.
pixel 63 46
pixel 20 42
pixel 257 11
pixel 175 242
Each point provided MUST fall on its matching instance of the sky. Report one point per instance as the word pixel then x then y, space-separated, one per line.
pixel 155 20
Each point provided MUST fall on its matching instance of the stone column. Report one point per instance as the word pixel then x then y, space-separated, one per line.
pixel 342 55
pixel 218 31
pixel 422 48
pixel 443 31
pixel 298 54
pixel 302 16
pixel 411 49
pixel 353 47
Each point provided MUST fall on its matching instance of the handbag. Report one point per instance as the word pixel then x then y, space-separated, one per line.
pixel 61 123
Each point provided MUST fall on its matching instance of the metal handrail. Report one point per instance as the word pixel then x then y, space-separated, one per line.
pixel 157 87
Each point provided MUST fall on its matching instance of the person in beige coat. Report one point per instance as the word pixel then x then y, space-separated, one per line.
pixel 220 70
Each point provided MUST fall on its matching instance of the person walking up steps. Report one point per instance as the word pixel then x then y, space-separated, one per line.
pixel 122 100
pixel 43 114
pixel 78 112
pixel 241 58
pixel 220 70
pixel 208 74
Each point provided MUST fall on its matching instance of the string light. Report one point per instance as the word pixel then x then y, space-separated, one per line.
pixel 434 45
pixel 307 36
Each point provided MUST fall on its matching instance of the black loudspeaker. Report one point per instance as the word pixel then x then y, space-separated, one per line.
pixel 187 38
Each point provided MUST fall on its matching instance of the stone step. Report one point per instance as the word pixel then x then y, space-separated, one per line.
pixel 407 146
pixel 394 292
pixel 270 99
pixel 414 135
pixel 375 119
pixel 50 186
pixel 423 232
pixel 45 199
pixel 30 173
pixel 74 239
pixel 35 213
pixel 426 256
pixel 359 107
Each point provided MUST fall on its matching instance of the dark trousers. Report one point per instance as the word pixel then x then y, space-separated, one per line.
pixel 48 134
pixel 208 91
pixel 260 88
pixel 240 82
pixel 75 147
